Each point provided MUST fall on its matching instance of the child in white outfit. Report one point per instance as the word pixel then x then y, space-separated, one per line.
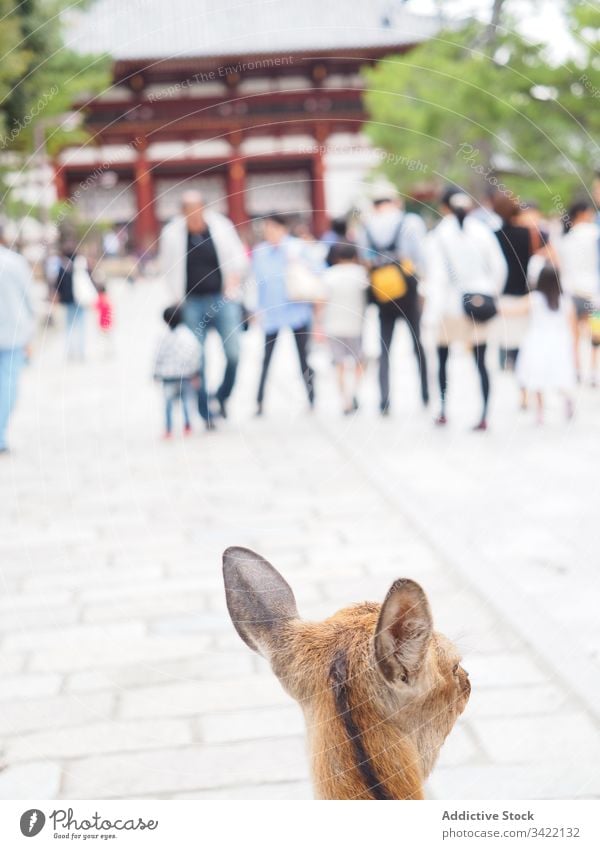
pixel 177 367
pixel 346 283
pixel 547 356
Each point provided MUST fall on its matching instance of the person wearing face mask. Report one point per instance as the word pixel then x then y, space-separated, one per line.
pixel 465 272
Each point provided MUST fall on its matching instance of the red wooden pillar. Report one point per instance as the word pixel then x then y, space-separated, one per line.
pixel 320 219
pixel 146 225
pixel 60 183
pixel 236 190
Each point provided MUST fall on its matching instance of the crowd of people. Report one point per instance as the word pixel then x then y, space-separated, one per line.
pixel 484 271
pixel 481 273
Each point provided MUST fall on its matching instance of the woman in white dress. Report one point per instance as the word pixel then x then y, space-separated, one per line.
pixel 547 357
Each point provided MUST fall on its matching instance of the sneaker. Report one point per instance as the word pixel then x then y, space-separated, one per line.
pixel 167 435
pixel 569 409
pixel 441 420
pixel 481 426
pixel 348 411
pixel 187 430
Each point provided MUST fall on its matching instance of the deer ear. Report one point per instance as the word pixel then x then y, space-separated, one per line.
pixel 258 599
pixel 403 631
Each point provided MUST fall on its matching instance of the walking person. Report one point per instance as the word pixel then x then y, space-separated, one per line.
pixel 203 261
pixel 517 246
pixel 579 259
pixel 390 238
pixel 547 358
pixel 105 316
pixel 177 367
pixel 16 330
pixel 76 292
pixel 466 271
pixel 273 261
pixel 345 286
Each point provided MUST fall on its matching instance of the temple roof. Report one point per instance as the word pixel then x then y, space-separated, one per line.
pixel 146 29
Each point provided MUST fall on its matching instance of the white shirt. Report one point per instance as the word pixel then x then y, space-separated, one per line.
pixel 345 284
pixel 231 253
pixel 579 257
pixel 16 301
pixel 461 260
pixel 383 226
pixel 178 355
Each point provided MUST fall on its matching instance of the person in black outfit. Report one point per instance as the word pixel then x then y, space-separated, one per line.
pixel 516 245
pixel 75 314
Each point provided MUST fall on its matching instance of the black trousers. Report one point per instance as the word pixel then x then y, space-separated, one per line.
pixel 301 336
pixel 406 308
pixel 479 352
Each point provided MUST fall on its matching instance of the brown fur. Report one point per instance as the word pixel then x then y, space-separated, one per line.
pixel 405 686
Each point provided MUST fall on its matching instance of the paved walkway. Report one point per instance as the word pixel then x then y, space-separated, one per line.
pixel 121 673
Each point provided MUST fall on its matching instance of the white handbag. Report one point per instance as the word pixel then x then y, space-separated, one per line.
pixel 302 284
pixel 84 291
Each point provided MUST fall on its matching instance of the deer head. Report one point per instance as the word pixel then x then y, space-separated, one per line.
pixel 379 688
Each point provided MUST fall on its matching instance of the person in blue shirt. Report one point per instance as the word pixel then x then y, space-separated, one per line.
pixel 16 330
pixel 270 261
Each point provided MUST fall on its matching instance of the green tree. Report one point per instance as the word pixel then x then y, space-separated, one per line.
pixel 41 78
pixel 481 105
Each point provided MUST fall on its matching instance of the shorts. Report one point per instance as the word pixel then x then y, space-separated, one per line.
pixel 595 328
pixel 584 307
pixel 346 347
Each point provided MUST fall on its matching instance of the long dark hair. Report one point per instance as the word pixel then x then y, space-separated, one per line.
pixel 549 286
pixel 574 211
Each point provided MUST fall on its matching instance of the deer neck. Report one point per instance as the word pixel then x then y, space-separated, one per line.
pixel 355 753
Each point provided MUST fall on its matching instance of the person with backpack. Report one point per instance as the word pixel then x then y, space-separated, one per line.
pixel 392 241
pixel 466 271
pixel 75 290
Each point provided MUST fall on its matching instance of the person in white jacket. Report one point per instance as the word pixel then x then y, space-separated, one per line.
pixel 462 257
pixel 579 260
pixel 203 262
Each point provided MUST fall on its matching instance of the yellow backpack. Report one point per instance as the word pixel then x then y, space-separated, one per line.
pixel 389 279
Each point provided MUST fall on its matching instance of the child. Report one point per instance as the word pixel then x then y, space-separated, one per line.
pixel 346 283
pixel 547 357
pixel 104 310
pixel 177 366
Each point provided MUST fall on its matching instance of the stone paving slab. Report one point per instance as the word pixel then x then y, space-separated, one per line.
pixel 122 674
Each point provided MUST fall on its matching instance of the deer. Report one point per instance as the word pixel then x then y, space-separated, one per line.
pixel 380 690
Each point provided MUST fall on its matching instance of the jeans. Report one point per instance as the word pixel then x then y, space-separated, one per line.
pixel 408 309
pixel 11 361
pixel 302 337
pixel 202 312
pixel 177 390
pixel 75 327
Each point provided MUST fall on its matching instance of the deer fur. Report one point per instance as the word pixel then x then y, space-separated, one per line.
pixel 379 688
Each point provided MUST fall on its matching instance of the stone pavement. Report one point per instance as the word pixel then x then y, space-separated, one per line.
pixel 121 673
